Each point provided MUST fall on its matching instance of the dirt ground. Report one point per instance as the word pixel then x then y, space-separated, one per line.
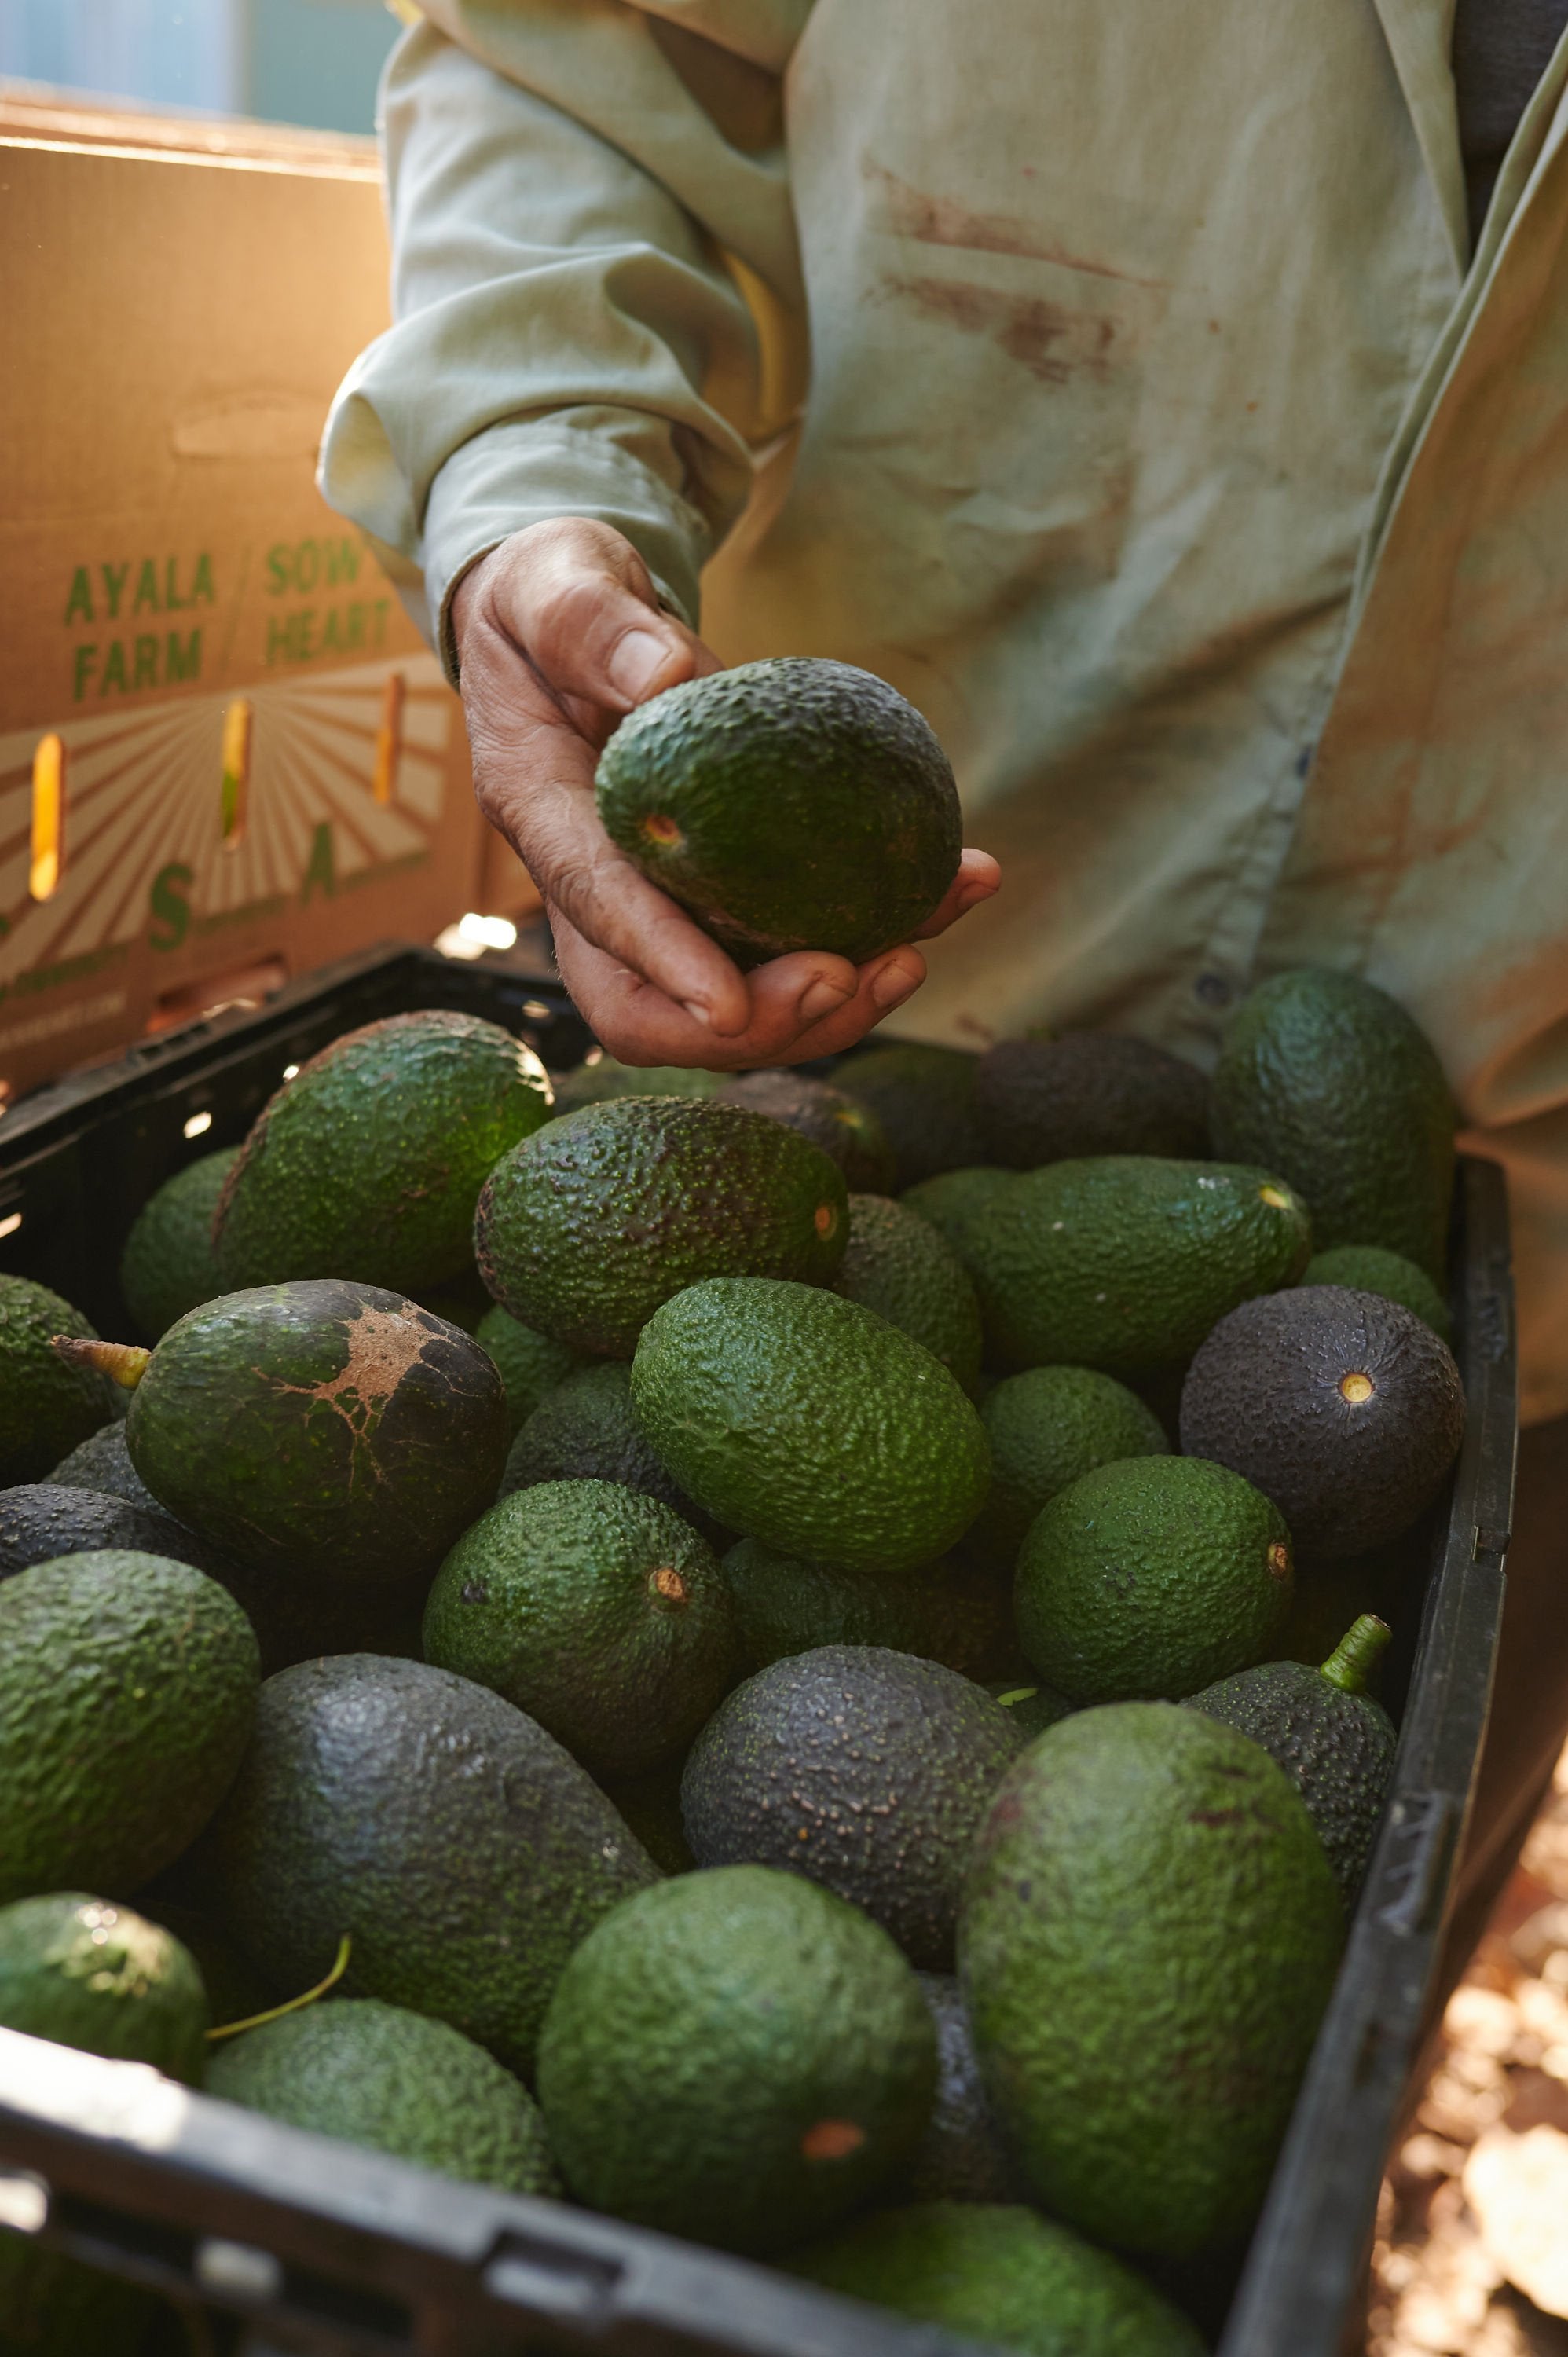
pixel 1472 2255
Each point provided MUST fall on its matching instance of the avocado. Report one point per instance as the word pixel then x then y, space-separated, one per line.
pixel 169 1265
pixel 1151 1577
pixel 585 1230
pixel 748 2125
pixel 787 805
pixel 997 2272
pixel 103 1462
pixel 1333 1741
pixel 462 1849
pixel 127 1688
pixel 1046 1427
pixel 47 1405
pixel 100 1977
pixel 924 1097
pixel 863 1769
pixel 1367 1268
pixel 585 1430
pixel 901 1266
pixel 1344 1408
pixel 809 1423
pixel 379 2075
pixel 320 1429
pixel 1089 1092
pixel 367 1164
pixel 961 2158
pixel 1124 1262
pixel 1032 1707
pixel 1326 1079
pixel 596 1610
pixel 599 1077
pixel 955 1200
pixel 42 1520
pixel 942 1611
pixel 848 1132
pixel 1149 1936
pixel 530 1364
pixel 652 1807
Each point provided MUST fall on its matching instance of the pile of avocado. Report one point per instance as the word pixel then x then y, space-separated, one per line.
pixel 838 1722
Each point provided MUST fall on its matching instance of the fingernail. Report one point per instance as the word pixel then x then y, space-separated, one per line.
pixel 634 660
pixel 821 1000
pixel 697 1011
pixel 892 985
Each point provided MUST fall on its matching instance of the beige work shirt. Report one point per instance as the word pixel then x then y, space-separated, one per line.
pixel 1164 442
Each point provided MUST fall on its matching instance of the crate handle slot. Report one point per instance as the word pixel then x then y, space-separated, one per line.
pixel 549 2280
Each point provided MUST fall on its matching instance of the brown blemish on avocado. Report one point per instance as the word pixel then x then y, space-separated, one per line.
pixel 831 2140
pixel 1279 1560
pixel 667 1582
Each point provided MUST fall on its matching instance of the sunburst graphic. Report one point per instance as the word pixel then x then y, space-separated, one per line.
pixel 146 788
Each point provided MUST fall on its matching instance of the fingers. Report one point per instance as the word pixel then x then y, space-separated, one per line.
pixel 978 877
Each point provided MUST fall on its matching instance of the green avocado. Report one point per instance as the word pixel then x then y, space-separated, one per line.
pixel 103 1462
pixel 1326 1079
pixel 99 1977
pixel 899 1264
pixel 788 805
pixel 585 1229
pixel 41 1519
pixel 47 1405
pixel 848 1132
pixel 1089 1092
pixel 367 1164
pixel 586 1431
pixel 1046 1427
pixel 600 1077
pixel 127 1688
pixel 809 1423
pixel 169 1265
pixel 1149 1936
pixel 1367 1268
pixel 379 2075
pixel 530 1364
pixel 596 1610
pixel 924 1098
pixel 942 1611
pixel 953 1201
pixel 1124 1262
pixel 746 2125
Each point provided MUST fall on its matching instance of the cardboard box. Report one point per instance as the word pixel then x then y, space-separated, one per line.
pixel 226 755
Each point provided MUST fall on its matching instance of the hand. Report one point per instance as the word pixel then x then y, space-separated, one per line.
pixel 559 633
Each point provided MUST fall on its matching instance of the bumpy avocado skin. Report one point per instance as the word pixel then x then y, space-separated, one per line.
pixel 1147 1883
pixel 41 1519
pixel 127 1688
pixel 848 1132
pixel 1367 1268
pixel 367 1164
pixel 899 1264
pixel 1277 1393
pixel 806 1422
pixel 596 1610
pixel 321 1430
pixel 46 1406
pixel 463 1850
pixel 924 1098
pixel 101 1978
pixel 169 1265
pixel 952 1201
pixel 530 1364
pixel 1124 1262
pixel 789 804
pixel 863 1769
pixel 1090 1093
pixel 961 2158
pixel 999 2273
pixel 585 1230
pixel 1047 1428
pixel 1326 1079
pixel 103 1462
pixel 941 1611
pixel 586 1430
pixel 379 2075
pixel 1151 1577
pixel 748 2125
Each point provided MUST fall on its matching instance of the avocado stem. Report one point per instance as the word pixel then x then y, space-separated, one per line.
pixel 124 1362
pixel 1357 1655
pixel 293 2004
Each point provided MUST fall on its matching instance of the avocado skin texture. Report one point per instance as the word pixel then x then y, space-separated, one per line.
pixel 1337 1749
pixel 809 1423
pixel 899 1264
pixel 848 1132
pixel 530 1364
pixel 101 1978
pixel 1090 1093
pixel 127 1688
pixel 1152 1577
pixel 941 1611
pixel 463 1850
pixel 1326 1079
pixel 924 1098
pixel 795 804
pixel 1367 1268
pixel 582 1232
pixel 669 2104
pixel 169 1265
pixel 586 1431
pixel 596 1610
pixel 42 1520
pixel 999 2273
pixel 953 1201
pixel 397 2082
pixel 961 2158
pixel 594 1083
pixel 103 1462
pixel 1124 1262
pixel 1147 1883
pixel 367 1164
pixel 321 1430
pixel 865 1770
pixel 1047 1428
pixel 1264 1396
pixel 46 1406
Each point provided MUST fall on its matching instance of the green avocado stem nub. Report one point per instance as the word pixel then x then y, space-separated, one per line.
pixel 124 1362
pixel 1356 1656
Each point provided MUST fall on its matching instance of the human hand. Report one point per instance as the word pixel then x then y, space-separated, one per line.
pixel 559 633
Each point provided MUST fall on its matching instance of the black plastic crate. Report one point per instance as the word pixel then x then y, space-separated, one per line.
pixel 333 2253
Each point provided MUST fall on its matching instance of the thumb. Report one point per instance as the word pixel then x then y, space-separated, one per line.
pixel 580 603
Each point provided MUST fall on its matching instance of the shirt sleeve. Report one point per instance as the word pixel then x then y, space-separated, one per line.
pixel 584 195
